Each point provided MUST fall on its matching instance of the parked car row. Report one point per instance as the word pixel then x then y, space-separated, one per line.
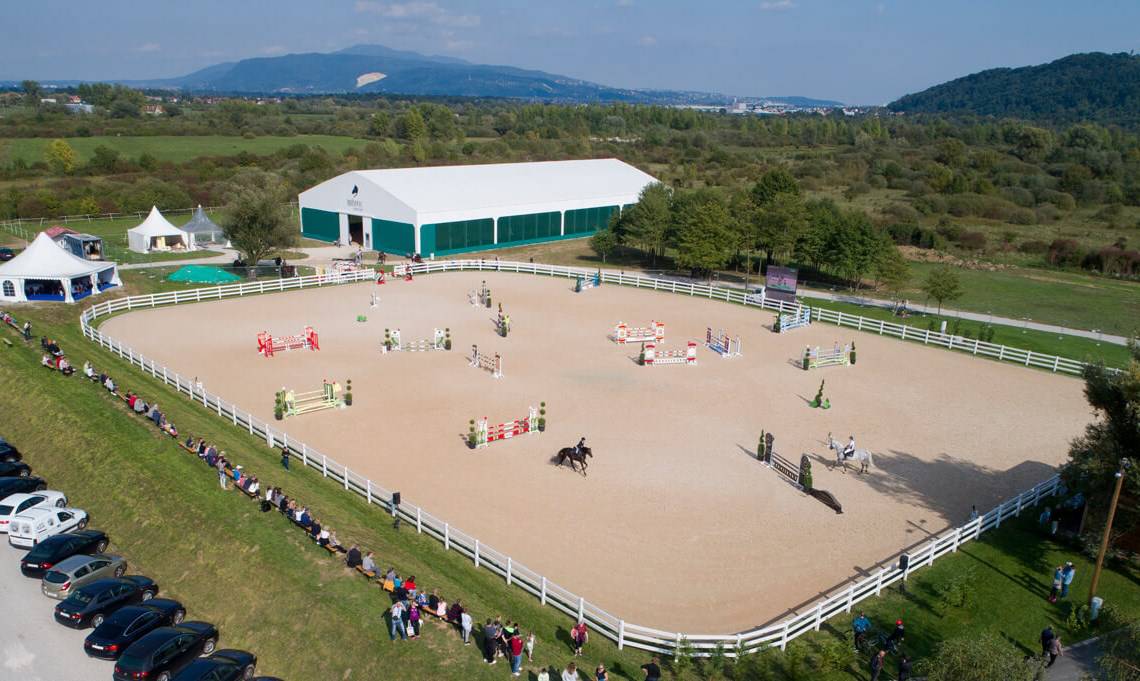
pixel 145 636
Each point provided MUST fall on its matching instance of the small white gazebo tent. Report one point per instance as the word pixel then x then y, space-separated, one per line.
pixel 44 271
pixel 203 230
pixel 157 234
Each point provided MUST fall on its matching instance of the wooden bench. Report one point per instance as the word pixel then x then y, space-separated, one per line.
pixel 366 573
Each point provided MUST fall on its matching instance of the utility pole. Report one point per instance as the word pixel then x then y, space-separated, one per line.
pixel 1124 464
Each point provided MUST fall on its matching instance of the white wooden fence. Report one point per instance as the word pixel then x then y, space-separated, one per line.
pixel 778 634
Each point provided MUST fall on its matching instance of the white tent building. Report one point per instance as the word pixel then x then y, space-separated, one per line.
pixel 157 234
pixel 203 230
pixel 454 209
pixel 44 271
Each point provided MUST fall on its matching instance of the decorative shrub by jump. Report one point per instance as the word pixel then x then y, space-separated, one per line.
pixel 348 392
pixel 805 472
pixel 447 339
pixel 541 417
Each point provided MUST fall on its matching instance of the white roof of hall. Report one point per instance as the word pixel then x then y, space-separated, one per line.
pixel 438 189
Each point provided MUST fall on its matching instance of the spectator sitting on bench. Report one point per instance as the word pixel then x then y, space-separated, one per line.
pixel 334 543
pixel 109 384
pixel 303 518
pixel 369 564
pixel 65 367
pixel 141 407
pixel 455 612
pixel 238 474
pixel 410 585
pixel 352 560
pixel 436 604
pixel 47 361
pixel 88 370
pixel 323 535
pixel 170 429
pixel 315 529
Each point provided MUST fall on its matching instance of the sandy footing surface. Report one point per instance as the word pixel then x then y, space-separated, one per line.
pixel 677 526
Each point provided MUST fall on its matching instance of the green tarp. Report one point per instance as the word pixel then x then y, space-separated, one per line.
pixel 203 274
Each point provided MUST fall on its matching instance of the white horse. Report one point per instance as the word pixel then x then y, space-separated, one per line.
pixel 863 456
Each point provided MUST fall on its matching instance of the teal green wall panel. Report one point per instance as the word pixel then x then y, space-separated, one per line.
pixel 320 224
pixel 393 237
pixel 457 236
pixel 587 220
pixel 532 227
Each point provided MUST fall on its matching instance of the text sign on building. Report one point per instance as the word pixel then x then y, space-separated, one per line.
pixel 781 284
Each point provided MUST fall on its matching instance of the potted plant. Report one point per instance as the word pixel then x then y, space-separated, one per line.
pixel 807 357
pixel 488 299
pixel 852 352
pixel 348 392
pixel 641 356
pixel 776 324
pixel 279 405
pixel 760 447
pixel 819 398
pixel 541 417
pixel 471 433
pixel 805 472
pixel 447 339
pixel 387 340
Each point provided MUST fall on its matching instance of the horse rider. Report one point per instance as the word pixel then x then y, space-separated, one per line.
pixel 849 449
pixel 580 446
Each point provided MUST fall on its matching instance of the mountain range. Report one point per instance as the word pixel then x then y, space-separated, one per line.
pixel 1080 87
pixel 376 69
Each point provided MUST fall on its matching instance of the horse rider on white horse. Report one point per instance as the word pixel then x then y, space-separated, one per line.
pixel 849 450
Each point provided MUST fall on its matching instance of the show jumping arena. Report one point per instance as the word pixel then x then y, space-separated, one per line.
pixel 677 525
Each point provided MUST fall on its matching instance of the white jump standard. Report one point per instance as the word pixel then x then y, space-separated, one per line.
pixel 485 434
pixel 651 356
pixel 492 363
pixel 392 342
pixel 814 358
pixel 786 322
pixel 654 333
pixel 722 344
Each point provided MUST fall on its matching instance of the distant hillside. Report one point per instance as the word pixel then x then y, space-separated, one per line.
pixel 1082 87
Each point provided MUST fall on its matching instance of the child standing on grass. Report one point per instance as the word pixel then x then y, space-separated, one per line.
pixel 530 647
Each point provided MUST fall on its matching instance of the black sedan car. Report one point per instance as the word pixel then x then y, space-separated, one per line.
pixel 165 651
pixel 8 452
pixel 129 624
pixel 14 469
pixel 27 485
pixel 92 603
pixel 224 665
pixel 52 550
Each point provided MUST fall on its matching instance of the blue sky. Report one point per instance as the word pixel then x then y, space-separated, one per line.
pixel 858 51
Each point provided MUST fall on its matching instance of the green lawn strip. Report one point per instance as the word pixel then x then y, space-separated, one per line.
pixel 175 148
pixel 1072 347
pixel 1067 299
pixel 251 573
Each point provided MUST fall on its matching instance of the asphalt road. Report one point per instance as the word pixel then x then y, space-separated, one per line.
pixel 32 646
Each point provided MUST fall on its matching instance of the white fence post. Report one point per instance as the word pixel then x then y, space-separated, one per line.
pixel 324 465
pixel 345 477
pixel 368 491
pixel 621 634
pixel 476 553
pixel 509 561
pixel 850 598
pixel 446 537
pixel 818 615
pixel 419 520
pixel 957 539
pixel 304 455
pixel 542 596
pixel 879 582
pixel 581 608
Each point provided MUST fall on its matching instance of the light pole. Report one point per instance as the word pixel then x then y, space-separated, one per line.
pixel 1124 464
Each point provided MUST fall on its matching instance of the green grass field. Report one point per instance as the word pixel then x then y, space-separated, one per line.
pixel 269 589
pixel 173 148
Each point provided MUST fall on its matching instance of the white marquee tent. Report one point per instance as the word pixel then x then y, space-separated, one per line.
pixel 204 230
pixel 44 271
pixel 157 234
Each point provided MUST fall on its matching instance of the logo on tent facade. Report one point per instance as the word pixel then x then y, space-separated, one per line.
pixel 352 201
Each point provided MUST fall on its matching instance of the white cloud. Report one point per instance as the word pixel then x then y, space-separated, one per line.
pixel 273 50
pixel 418 10
pixel 647 41
pixel 148 47
pixel 777 5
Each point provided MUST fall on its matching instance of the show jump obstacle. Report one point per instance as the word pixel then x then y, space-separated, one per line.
pixel 794 320
pixel 485 434
pixel 814 358
pixel 404 271
pixel 492 363
pixel 654 333
pixel 393 343
pixel 268 344
pixel 481 297
pixel 584 282
pixel 651 356
pixel 295 404
pixel 721 343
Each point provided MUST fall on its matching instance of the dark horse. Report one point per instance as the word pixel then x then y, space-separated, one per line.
pixel 574 455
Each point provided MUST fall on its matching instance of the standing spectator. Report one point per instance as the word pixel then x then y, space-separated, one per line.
pixel 570 673
pixel 465 625
pixel 652 669
pixel 285 458
pixel 896 636
pixel 530 647
pixel 490 634
pixel 1058 581
pixel 579 636
pixel 904 668
pixel 397 613
pixel 1045 517
pixel 1067 576
pixel 413 620
pixel 861 625
pixel 973 513
pixel 877 662
pixel 1047 637
pixel 1054 650
pixel 515 645
pixel 221 466
pixel 27 331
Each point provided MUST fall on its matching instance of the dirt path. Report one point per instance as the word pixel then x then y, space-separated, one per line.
pixel 677 526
